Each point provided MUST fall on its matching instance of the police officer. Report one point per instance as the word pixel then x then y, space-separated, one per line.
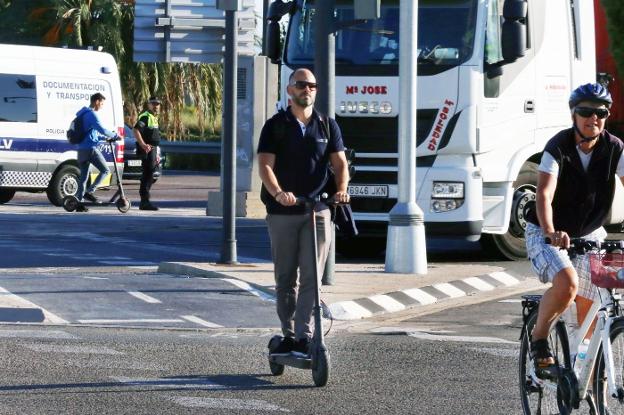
pixel 148 137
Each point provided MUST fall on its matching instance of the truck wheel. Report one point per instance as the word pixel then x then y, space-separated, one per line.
pixel 6 195
pixel 64 183
pixel 511 245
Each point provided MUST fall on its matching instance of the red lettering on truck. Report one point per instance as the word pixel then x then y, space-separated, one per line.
pixel 440 125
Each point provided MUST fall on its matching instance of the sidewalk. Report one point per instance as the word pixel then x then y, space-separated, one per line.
pixel 364 290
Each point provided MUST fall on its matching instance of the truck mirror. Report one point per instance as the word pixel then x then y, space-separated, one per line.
pixel 514 35
pixel 272 39
pixel 515 10
pixel 513 40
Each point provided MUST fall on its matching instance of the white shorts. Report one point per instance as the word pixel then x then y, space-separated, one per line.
pixel 547 260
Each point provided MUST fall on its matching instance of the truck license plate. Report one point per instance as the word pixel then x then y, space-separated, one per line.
pixel 134 163
pixel 368 191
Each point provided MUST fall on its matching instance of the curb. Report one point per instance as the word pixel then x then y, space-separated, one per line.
pixel 401 300
pixel 377 304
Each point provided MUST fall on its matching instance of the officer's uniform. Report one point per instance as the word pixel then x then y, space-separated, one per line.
pixel 147 124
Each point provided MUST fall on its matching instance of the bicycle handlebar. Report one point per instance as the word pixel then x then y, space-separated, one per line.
pixel 581 246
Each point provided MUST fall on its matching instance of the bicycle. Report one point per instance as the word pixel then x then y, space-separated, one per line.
pixel 603 365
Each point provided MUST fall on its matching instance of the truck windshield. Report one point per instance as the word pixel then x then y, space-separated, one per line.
pixel 446 31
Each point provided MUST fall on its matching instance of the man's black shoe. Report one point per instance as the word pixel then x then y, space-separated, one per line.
pixel 147 206
pixel 285 347
pixel 82 208
pixel 302 347
pixel 91 198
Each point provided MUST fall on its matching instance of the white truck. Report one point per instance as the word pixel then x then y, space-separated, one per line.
pixel 494 77
pixel 41 89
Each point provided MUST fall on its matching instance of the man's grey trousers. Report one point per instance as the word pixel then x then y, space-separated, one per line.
pixel 292 249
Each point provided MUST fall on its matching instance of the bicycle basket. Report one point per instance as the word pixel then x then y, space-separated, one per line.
pixel 607 269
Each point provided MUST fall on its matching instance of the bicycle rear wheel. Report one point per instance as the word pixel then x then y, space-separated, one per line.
pixel 606 403
pixel 540 396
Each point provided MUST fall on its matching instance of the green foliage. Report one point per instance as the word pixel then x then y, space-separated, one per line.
pixel 614 10
pixel 108 25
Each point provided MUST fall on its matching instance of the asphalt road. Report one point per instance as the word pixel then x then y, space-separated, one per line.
pixel 130 340
pixel 458 361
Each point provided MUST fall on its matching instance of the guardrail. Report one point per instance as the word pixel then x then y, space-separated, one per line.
pixel 191 147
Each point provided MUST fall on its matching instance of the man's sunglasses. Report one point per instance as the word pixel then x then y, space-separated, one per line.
pixel 587 112
pixel 304 84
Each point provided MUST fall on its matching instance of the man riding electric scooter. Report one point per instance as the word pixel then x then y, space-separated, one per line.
pixel 295 150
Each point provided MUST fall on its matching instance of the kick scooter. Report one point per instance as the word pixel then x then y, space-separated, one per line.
pixel 71 203
pixel 318 358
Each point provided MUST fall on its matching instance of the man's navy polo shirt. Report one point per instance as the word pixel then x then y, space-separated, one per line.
pixel 301 161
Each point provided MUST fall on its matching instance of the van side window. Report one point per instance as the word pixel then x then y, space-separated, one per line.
pixel 18 98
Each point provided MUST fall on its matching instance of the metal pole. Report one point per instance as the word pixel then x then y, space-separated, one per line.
pixel 406 249
pixel 325 72
pixel 167 33
pixel 265 12
pixel 228 247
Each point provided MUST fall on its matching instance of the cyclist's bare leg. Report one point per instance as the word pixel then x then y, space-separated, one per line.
pixel 554 302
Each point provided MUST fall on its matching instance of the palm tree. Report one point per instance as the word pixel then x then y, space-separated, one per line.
pixel 109 24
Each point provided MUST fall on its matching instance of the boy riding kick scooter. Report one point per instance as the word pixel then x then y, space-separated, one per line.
pixel 71 203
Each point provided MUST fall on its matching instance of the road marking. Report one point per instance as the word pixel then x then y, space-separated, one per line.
pixel 420 296
pixel 8 299
pixel 59 348
pixel 245 286
pixel 225 403
pixel 504 277
pixel 36 334
pixel 144 297
pixel 348 310
pixel 511 300
pixel 462 339
pixel 134 320
pixel 479 284
pixel 128 263
pixel 449 290
pixel 178 383
pixel 201 322
pixel 95 278
pixel 388 303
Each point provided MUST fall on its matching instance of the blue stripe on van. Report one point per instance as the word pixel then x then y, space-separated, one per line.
pixel 45 146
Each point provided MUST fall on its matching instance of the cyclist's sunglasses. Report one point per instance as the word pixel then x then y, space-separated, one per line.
pixel 304 84
pixel 587 112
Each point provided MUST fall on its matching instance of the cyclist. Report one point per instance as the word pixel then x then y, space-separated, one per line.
pixel 575 189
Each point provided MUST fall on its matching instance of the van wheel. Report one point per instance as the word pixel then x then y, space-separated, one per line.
pixel 6 195
pixel 64 183
pixel 511 245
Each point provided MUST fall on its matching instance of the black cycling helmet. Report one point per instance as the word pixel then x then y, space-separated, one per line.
pixel 590 92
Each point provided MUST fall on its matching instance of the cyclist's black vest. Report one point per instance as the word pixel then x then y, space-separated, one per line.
pixel 582 199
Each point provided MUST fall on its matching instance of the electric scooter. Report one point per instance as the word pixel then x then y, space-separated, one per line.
pixel 71 202
pixel 318 358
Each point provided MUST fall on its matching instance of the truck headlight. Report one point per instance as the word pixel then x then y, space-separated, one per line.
pixel 446 196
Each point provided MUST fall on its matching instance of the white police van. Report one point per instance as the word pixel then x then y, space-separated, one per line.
pixel 41 89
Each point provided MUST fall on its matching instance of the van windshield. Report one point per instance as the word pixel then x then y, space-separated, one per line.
pixel 446 31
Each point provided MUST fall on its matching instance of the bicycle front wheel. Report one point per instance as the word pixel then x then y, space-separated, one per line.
pixel 540 396
pixel 607 404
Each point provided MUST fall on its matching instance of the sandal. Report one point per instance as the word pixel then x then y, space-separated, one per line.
pixel 543 360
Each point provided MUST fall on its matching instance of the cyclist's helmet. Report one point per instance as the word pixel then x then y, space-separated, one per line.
pixel 590 92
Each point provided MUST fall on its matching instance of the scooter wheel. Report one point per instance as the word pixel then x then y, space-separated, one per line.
pixel 123 205
pixel 320 368
pixel 70 203
pixel 276 368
